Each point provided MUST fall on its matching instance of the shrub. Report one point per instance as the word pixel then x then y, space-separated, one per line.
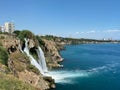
pixel 3 56
pixel 33 69
pixel 1 44
pixel 17 32
pixel 33 52
pixel 41 42
pixel 2 37
pixel 26 34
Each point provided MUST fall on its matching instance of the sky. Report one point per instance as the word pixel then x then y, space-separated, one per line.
pixel 96 19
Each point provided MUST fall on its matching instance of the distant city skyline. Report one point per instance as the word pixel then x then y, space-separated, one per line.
pixel 95 19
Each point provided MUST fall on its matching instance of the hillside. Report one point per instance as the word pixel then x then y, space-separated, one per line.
pixel 15 63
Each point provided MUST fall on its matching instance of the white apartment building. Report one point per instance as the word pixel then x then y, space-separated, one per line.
pixel 9 27
pixel 1 28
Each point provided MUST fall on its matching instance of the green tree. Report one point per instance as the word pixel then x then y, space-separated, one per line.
pixel 17 32
pixel 26 34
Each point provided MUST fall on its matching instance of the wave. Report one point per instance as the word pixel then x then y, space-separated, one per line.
pixel 105 68
pixel 68 77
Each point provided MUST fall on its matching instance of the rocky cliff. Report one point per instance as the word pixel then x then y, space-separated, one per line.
pixel 52 55
pixel 19 66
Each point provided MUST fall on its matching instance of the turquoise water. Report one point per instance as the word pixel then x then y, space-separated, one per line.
pixel 89 67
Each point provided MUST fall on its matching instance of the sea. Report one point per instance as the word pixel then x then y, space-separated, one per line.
pixel 89 67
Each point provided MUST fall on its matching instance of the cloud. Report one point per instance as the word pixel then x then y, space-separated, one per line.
pixel 98 34
pixel 111 31
pixel 102 31
pixel 91 31
pixel 76 33
pixel 87 32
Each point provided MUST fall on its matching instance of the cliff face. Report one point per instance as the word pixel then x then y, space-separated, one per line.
pixel 21 68
pixel 19 64
pixel 52 55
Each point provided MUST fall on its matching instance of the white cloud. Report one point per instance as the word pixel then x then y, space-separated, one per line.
pixel 111 31
pixel 87 32
pixel 102 31
pixel 91 31
pixel 98 34
pixel 76 33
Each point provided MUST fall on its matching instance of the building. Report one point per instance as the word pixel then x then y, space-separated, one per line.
pixel 1 28
pixel 9 27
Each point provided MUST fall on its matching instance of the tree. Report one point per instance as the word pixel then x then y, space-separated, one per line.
pixel 26 34
pixel 17 32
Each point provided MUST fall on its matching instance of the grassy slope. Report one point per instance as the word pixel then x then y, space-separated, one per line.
pixel 8 82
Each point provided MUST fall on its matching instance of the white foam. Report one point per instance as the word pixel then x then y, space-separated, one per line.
pixel 97 69
pixel 69 77
pixel 107 67
pixel 66 76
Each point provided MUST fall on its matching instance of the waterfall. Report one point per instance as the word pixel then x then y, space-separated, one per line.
pixel 20 48
pixel 33 61
pixel 42 61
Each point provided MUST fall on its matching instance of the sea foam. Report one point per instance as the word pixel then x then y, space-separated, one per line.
pixel 69 77
pixel 66 76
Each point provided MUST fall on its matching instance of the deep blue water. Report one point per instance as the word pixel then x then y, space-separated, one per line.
pixel 89 67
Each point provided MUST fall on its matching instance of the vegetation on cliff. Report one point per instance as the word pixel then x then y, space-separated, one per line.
pixel 40 41
pixel 8 82
pixel 28 35
pixel 25 34
pixel 3 56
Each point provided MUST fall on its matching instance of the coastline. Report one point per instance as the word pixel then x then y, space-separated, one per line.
pixel 98 69
pixel 19 63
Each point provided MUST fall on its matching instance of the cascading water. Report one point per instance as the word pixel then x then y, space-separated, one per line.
pixel 33 61
pixel 42 61
pixel 20 48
